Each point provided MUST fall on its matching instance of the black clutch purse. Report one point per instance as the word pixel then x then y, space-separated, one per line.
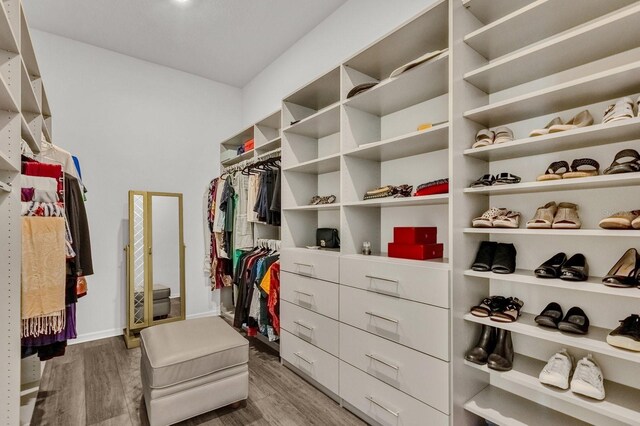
pixel 327 238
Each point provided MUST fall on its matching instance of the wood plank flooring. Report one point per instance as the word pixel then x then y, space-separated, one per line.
pixel 98 383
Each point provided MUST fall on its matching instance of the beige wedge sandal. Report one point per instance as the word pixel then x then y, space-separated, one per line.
pixel 509 220
pixel 545 131
pixel 543 219
pixel 567 217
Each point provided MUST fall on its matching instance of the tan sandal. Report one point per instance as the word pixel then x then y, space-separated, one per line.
pixel 545 131
pixel 555 171
pixel 582 119
pixel 543 219
pixel 567 217
pixel 487 218
pixel 509 220
pixel 484 137
pixel 621 220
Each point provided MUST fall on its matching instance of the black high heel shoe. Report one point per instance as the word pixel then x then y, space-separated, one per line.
pixel 625 272
pixel 575 269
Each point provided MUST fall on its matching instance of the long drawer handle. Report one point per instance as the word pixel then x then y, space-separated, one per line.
pixel 306 265
pixel 303 325
pixel 303 293
pixel 372 399
pixel 393 320
pixel 303 358
pixel 389 280
pixel 375 358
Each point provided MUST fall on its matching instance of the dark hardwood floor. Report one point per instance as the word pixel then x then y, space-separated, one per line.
pixel 98 383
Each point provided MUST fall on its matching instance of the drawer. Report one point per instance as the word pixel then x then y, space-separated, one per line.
pixel 421 376
pixel 310 293
pixel 383 403
pixel 419 326
pixel 311 327
pixel 318 264
pixel 408 281
pixel 315 363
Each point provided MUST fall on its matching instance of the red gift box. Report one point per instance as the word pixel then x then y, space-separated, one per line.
pixel 249 145
pixel 416 251
pixel 415 235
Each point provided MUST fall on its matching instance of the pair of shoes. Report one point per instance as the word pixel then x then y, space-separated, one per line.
pixel 499 179
pixel 622 220
pixel 498 308
pixel 317 199
pixel 494 348
pixel 557 216
pixel 573 269
pixel 575 321
pixel 497 217
pixel 486 137
pixel 626 272
pixel 627 335
pixel 582 119
pixel 587 377
pixel 632 164
pixel 621 110
pixel 580 168
pixel 496 257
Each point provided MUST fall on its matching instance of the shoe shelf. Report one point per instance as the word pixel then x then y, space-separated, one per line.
pixel 609 84
pixel 237 159
pixel 327 164
pixel 594 341
pixel 407 145
pixel 427 200
pixel 587 43
pixel 594 182
pixel 316 207
pixel 534 22
pixel 426 81
pixel 620 404
pixel 557 232
pixel 488 11
pixel 320 124
pixel 592 285
pixel 30 102
pixel 584 137
pixel 506 409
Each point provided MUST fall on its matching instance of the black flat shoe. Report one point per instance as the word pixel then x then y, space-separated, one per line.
pixel 552 267
pixel 484 257
pixel 550 316
pixel 484 347
pixel 504 261
pixel 576 322
pixel 625 272
pixel 575 269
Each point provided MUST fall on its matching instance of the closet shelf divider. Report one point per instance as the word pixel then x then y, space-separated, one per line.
pixel 327 164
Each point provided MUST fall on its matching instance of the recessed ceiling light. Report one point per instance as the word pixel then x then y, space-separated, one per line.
pixel 181 1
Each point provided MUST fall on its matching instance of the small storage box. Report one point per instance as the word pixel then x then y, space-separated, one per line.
pixel 249 145
pixel 415 235
pixel 416 251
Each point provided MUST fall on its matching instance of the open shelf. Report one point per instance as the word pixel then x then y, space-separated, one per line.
pixel 318 207
pixel 415 143
pixel 270 145
pixel 426 200
pixel 620 403
pixel 432 263
pixel 587 43
pixel 239 138
pixel 318 94
pixel 426 81
pixel 5 187
pixel 534 22
pixel 28 136
pixel 584 137
pixel 488 11
pixel 506 409
pixel 594 182
pixel 29 100
pixel 26 49
pixel 244 156
pixel 592 285
pixel 609 84
pixel 5 164
pixel 328 164
pixel 595 341
pixel 7 100
pixel 635 233
pixel 323 123
pixel 8 40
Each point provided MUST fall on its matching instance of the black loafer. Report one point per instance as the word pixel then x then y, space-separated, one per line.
pixel 484 257
pixel 550 316
pixel 552 268
pixel 576 322
pixel 575 269
pixel 504 261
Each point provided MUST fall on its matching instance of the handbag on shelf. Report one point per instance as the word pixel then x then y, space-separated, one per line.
pixel 328 238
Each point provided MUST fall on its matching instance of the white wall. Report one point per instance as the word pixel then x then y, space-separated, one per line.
pixel 352 27
pixel 134 125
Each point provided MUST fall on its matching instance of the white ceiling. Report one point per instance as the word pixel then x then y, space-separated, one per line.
pixel 229 41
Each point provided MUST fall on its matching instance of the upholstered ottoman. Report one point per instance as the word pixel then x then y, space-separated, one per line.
pixel 191 367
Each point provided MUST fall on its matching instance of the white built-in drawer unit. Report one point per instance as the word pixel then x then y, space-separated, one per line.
pixel 385 404
pixel 315 363
pixel 421 376
pixel 309 293
pixel 408 281
pixel 313 328
pixel 419 326
pixel 311 263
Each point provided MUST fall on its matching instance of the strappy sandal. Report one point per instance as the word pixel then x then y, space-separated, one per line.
pixel 567 217
pixel 511 311
pixel 592 168
pixel 545 131
pixel 543 219
pixel 488 306
pixel 503 134
pixel 329 199
pixel 315 200
pixel 582 119
pixel 485 180
pixel 484 137
pixel 509 220
pixel 506 179
pixel 621 110
pixel 629 166
pixel 555 171
pixel 487 218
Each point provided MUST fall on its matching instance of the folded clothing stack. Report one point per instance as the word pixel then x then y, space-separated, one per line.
pixel 389 191
pixel 440 186
pixel 419 243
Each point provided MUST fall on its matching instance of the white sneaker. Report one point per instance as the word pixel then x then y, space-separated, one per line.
pixel 587 379
pixel 557 371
